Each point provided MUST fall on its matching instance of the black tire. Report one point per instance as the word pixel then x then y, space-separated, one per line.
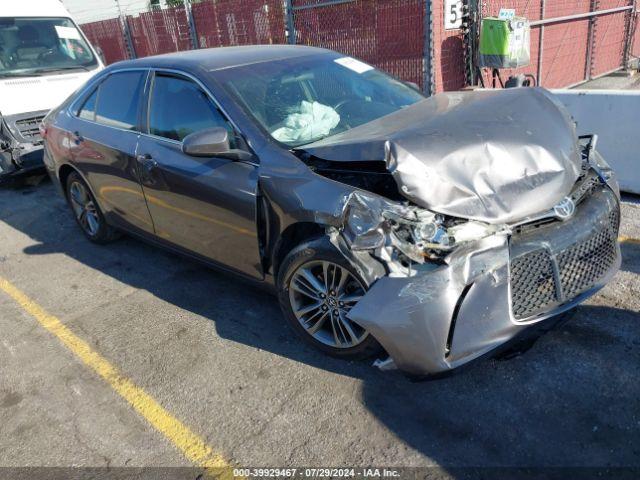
pixel 320 250
pixel 98 231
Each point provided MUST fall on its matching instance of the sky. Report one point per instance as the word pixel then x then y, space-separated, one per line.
pixel 85 11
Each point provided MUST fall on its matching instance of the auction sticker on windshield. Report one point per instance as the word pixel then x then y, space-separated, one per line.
pixel 68 32
pixel 353 64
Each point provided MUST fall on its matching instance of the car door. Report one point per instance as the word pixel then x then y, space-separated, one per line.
pixel 204 205
pixel 103 147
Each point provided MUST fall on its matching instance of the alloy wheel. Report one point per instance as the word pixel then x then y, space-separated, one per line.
pixel 321 294
pixel 84 208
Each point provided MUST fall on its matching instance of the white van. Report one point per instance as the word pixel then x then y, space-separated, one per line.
pixel 44 57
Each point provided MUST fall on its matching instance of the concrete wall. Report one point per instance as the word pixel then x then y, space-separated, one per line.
pixel 614 115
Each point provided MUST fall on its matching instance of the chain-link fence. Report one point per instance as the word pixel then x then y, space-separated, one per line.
pixel 388 34
pixel 109 36
pixel 634 36
pixel 222 23
pixel 571 40
pixel 160 31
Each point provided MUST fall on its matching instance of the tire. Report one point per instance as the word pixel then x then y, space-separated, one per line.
pixel 86 211
pixel 336 336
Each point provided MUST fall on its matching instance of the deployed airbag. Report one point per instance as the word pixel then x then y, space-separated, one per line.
pixel 311 121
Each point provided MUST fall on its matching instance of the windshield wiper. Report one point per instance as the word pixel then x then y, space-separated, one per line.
pixel 60 69
pixel 39 72
pixel 19 74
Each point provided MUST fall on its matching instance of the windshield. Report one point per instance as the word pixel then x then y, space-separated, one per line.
pixel 301 100
pixel 37 46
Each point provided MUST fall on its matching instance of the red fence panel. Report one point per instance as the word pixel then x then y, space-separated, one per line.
pixel 608 42
pixel 635 36
pixel 448 53
pixel 222 22
pixel 107 34
pixel 160 31
pixel 564 58
pixel 388 34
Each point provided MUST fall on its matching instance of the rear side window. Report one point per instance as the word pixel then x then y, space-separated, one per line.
pixel 118 100
pixel 179 107
pixel 88 110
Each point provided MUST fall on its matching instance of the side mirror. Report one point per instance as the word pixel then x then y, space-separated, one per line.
pixel 100 53
pixel 212 142
pixel 415 86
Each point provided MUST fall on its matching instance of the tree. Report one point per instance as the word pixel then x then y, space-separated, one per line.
pixel 156 4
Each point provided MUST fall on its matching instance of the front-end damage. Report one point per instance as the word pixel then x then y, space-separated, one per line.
pixel 21 145
pixel 512 229
pixel 442 269
pixel 457 289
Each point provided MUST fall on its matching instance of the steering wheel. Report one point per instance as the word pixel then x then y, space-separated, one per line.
pixel 47 53
pixel 344 119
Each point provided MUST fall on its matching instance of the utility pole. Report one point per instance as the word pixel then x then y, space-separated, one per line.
pixel 125 31
pixel 195 42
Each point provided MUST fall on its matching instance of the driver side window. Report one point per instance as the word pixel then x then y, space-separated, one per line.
pixel 179 107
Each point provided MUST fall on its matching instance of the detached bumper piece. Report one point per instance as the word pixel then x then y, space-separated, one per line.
pixel 21 146
pixel 494 289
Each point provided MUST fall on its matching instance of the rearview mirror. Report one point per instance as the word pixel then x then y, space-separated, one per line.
pixel 413 85
pixel 212 142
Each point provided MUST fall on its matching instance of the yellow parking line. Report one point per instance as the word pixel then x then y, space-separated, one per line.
pixel 190 444
pixel 625 239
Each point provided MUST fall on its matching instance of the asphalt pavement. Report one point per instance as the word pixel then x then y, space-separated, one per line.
pixel 213 355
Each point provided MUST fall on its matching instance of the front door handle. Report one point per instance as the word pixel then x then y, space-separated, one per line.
pixel 77 138
pixel 147 166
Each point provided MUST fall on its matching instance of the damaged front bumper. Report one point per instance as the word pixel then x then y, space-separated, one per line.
pixel 491 290
pixel 21 145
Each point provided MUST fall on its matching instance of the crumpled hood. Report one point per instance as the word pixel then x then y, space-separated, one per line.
pixel 497 156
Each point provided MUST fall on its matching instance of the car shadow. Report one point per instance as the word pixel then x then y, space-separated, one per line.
pixel 630 250
pixel 571 400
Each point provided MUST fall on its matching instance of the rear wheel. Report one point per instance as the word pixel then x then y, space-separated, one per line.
pixel 317 287
pixel 87 212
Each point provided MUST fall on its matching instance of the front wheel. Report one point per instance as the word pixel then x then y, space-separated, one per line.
pixel 317 287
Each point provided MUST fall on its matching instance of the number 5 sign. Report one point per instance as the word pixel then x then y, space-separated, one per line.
pixel 452 14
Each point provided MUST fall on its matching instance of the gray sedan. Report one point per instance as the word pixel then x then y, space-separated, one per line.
pixel 424 231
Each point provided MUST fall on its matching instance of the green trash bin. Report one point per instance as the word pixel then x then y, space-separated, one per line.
pixel 504 43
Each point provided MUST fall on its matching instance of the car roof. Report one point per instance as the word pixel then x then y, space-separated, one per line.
pixel 33 8
pixel 211 59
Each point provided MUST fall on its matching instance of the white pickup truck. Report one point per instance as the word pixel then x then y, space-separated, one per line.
pixel 44 57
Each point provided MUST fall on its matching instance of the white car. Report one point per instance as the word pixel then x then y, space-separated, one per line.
pixel 44 57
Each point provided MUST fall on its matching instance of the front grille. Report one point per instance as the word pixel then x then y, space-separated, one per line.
pixel 29 128
pixel 533 286
pixel 585 263
pixel 614 220
pixel 542 279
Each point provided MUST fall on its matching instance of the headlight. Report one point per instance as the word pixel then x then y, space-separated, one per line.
pixel 371 222
pixel 364 221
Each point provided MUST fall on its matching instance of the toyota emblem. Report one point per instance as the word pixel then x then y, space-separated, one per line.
pixel 565 209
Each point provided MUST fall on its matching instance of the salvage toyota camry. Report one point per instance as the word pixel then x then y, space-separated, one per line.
pixel 427 231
